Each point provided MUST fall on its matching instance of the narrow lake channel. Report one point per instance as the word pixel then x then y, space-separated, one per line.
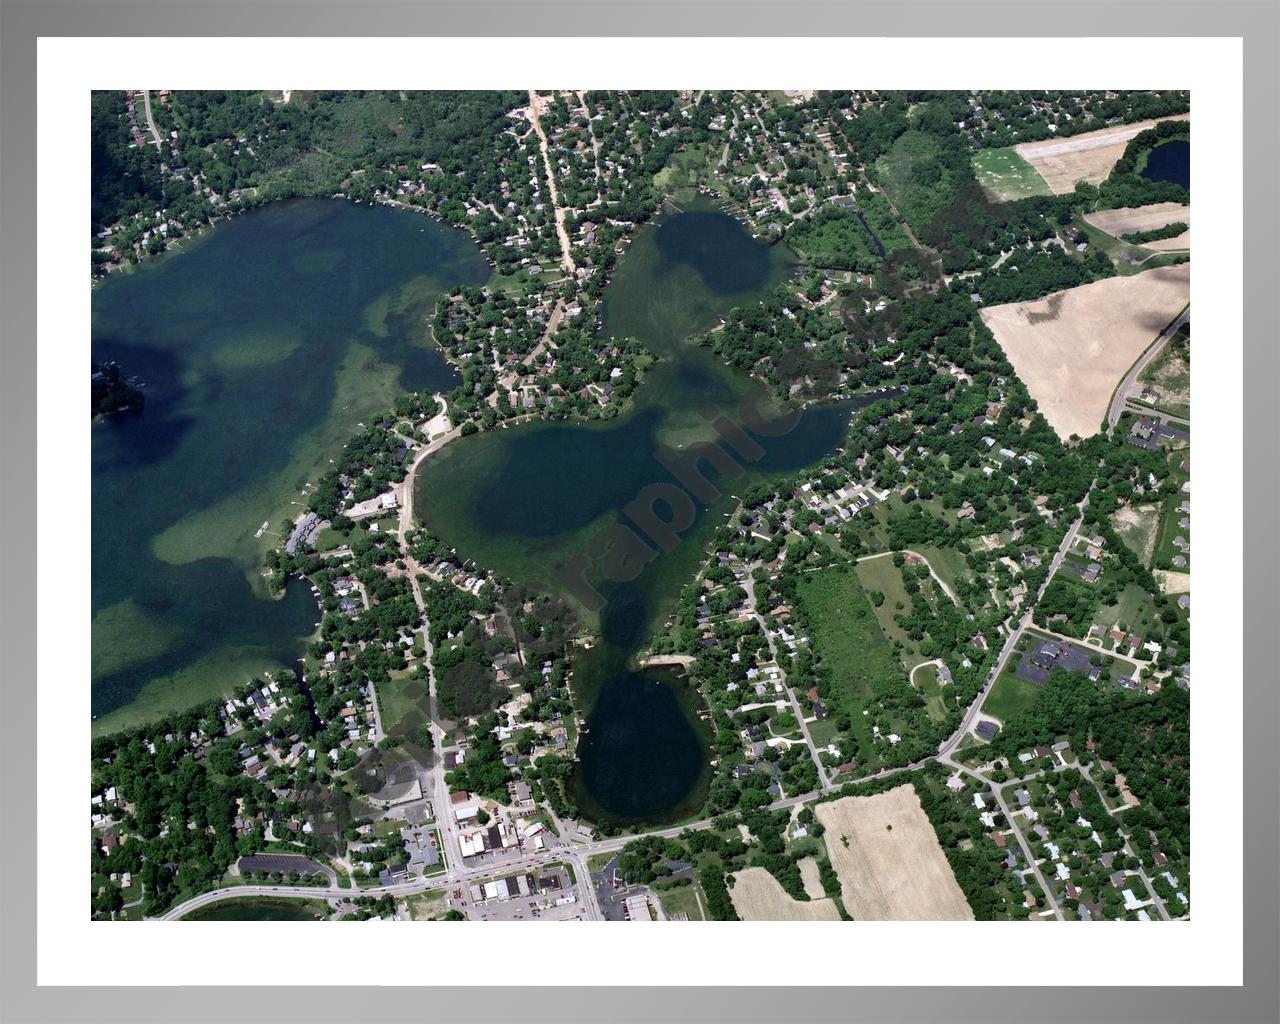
pixel 525 501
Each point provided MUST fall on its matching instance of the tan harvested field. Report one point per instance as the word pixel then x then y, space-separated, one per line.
pixel 1132 219
pixel 1178 243
pixel 1072 348
pixel 1088 157
pixel 812 877
pixel 887 855
pixel 757 896
pixel 1174 582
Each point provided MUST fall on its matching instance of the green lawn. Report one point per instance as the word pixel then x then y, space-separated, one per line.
pixel 682 900
pixel 329 539
pixel 1134 608
pixel 784 724
pixel 925 679
pixel 1007 175
pixel 1166 550
pixel 822 732
pixel 386 827
pixel 403 704
pixel 1009 696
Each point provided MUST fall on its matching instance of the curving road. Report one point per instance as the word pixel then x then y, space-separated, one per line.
pixel 576 854
pixel 1011 642
pixel 1121 393
pixel 151 121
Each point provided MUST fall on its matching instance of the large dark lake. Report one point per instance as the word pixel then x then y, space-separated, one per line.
pixel 261 349
pixel 1170 161
pixel 527 500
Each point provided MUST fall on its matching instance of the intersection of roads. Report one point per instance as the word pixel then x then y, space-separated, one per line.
pixel 574 850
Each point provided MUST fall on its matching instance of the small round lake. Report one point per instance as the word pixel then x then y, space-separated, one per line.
pixel 1170 161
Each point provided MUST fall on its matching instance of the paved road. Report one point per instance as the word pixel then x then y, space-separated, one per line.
pixel 406 487
pixel 1011 642
pixel 566 258
pixel 1091 140
pixel 749 585
pixel 1154 349
pixel 1156 901
pixel 577 855
pixel 151 121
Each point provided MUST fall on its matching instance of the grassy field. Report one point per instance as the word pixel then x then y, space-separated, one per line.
pixel 845 630
pixel 909 173
pixel 881 575
pixel 1006 175
pixel 823 732
pixel 947 563
pixel 1134 608
pixel 427 906
pixel 1009 696
pixel 403 704
pixel 1170 529
pixel 849 639
pixel 682 900
pixel 880 216
pixel 838 239
pixel 925 679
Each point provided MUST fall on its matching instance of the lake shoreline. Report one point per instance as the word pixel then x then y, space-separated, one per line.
pixel 226 441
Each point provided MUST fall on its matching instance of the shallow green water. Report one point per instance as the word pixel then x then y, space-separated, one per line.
pixel 262 348
pixel 527 500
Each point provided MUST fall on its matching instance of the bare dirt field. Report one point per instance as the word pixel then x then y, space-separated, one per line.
pixel 812 877
pixel 887 855
pixel 1174 582
pixel 1072 348
pixel 757 896
pixel 1132 219
pixel 1137 528
pixel 1088 157
pixel 1178 243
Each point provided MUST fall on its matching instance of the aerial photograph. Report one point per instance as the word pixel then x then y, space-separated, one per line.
pixel 597 505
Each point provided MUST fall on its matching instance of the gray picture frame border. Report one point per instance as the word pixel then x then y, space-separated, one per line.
pixel 1257 22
